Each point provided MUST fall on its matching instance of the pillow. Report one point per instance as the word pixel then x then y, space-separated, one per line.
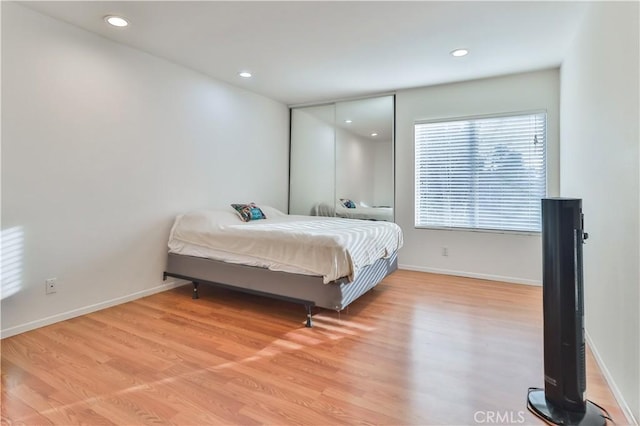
pixel 348 203
pixel 249 211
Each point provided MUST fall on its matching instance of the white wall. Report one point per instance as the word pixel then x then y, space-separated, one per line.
pixel 600 161
pixel 505 257
pixel 102 145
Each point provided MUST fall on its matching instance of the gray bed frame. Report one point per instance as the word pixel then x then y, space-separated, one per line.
pixel 307 290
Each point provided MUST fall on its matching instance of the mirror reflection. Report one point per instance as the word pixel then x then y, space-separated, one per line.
pixel 342 159
pixel 364 159
pixel 312 160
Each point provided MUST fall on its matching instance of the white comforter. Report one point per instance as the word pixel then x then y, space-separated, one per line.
pixel 330 247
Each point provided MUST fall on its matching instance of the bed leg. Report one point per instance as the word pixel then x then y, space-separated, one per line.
pixel 308 324
pixel 195 291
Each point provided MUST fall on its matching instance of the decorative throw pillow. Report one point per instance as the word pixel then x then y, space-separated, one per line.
pixel 249 211
pixel 348 203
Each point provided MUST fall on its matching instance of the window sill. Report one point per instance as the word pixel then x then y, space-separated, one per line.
pixel 484 231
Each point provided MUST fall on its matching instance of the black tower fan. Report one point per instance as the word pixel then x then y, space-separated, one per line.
pixel 563 399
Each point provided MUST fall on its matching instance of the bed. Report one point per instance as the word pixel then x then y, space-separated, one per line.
pixel 358 211
pixel 366 213
pixel 314 261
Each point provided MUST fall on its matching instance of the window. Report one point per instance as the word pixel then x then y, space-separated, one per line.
pixel 481 173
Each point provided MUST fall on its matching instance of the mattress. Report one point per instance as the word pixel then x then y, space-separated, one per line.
pixel 329 247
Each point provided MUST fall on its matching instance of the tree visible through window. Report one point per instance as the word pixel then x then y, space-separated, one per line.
pixel 482 173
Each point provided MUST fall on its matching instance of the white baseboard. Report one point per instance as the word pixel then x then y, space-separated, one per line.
pixel 612 384
pixel 513 280
pixel 12 331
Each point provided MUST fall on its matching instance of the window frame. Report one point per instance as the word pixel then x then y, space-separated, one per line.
pixel 478 117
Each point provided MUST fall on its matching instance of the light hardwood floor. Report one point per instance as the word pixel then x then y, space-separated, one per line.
pixel 418 349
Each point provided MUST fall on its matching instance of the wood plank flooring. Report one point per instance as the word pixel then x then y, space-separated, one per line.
pixel 418 349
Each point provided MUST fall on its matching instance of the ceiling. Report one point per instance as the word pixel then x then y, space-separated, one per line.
pixel 305 51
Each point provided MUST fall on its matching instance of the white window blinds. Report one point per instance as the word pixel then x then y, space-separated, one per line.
pixel 484 173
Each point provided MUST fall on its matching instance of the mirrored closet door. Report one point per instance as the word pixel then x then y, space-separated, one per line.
pixel 312 155
pixel 342 159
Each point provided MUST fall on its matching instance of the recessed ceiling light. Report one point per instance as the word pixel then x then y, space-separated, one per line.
pixel 374 134
pixel 348 121
pixel 116 21
pixel 245 74
pixel 459 52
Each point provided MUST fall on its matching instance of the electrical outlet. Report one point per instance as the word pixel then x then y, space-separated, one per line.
pixel 50 285
pixel 445 251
